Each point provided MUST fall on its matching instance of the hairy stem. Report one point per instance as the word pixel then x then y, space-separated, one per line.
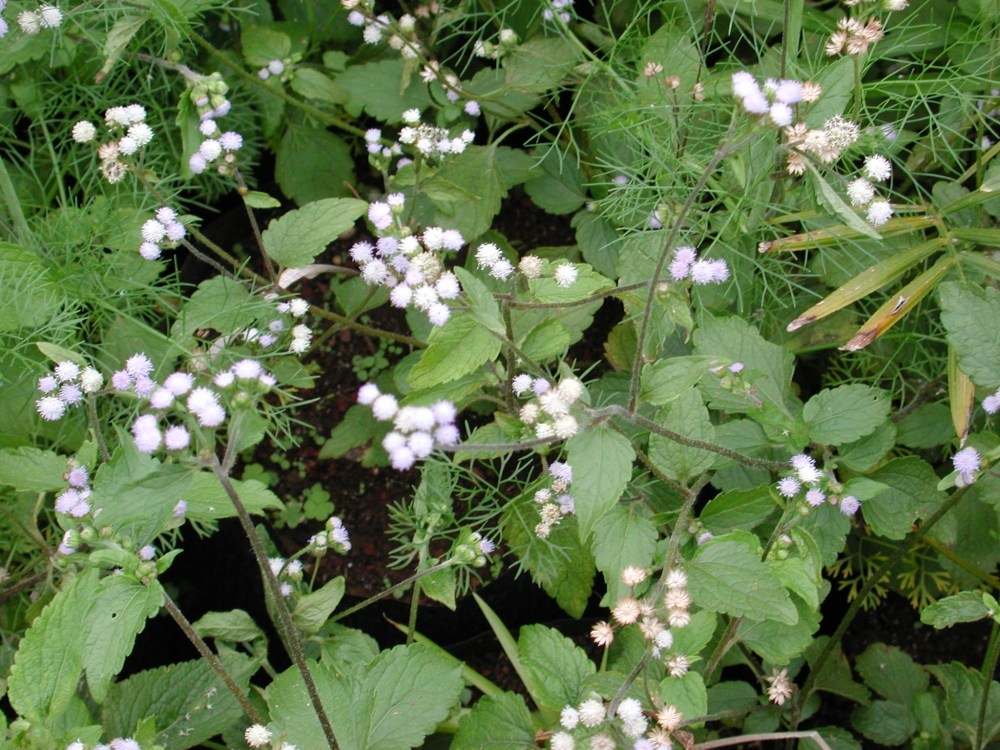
pixel 213 661
pixel 989 667
pixel 102 447
pixel 395 587
pixel 648 424
pixel 291 635
pixel 268 265
pixel 575 303
pixel 720 153
pixel 746 739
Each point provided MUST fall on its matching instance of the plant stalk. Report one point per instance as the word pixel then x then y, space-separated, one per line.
pixel 989 667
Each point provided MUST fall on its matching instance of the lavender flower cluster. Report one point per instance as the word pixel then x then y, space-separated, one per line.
pixel 418 429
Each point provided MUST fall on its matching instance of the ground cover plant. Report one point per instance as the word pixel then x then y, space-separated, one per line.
pixel 758 379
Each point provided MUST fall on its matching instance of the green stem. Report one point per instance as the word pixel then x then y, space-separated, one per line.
pixel 395 587
pixel 14 206
pixel 56 168
pixel 574 303
pixel 989 667
pixel 102 447
pixel 790 33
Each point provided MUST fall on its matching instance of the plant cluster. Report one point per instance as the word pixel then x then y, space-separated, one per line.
pixel 794 208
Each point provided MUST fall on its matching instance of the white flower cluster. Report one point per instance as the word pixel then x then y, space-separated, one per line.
pixel 66 386
pixel 776 99
pixel 299 337
pixel 409 264
pixel 826 143
pixel 685 264
pixel 286 573
pixel 966 463
pixel 129 134
pixel 807 473
pixel 163 231
pixel 216 144
pixel 557 9
pixel 118 743
pixel 334 535
pixel 580 722
pixel 430 141
pixel 991 404
pixel 274 68
pixel 74 501
pixel 372 138
pixel 854 37
pixel 555 500
pixel 432 71
pixel 32 21
pixel 492 50
pixel 418 429
pixel 550 402
pixel 862 193
pixel 781 688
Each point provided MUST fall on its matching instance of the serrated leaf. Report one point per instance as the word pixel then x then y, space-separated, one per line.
pixel 305 178
pixel 912 494
pixel 299 236
pixel 835 676
pixel 666 379
pixel 687 416
pixel 778 642
pixel 834 203
pixel 233 626
pixel 377 88
pixel 840 415
pixel 891 673
pixel 688 693
pixel 625 536
pixel 207 499
pixel 393 704
pixel 476 172
pixel 602 465
pixel 178 696
pixel 119 610
pixel 499 722
pixel 559 190
pixel 598 242
pixel 966 606
pixel 555 664
pixel 261 45
pixel 142 507
pixel 588 283
pixel 441 586
pixel 49 659
pixel 219 303
pixel 28 294
pixel 313 84
pixel 963 689
pixel 697 634
pixel 312 611
pixel 738 509
pixel 346 650
pixel 969 315
pixel 482 305
pixel 725 576
pixel 457 348
pixel 885 722
pixel 117 40
pixel 32 470
pixel 547 341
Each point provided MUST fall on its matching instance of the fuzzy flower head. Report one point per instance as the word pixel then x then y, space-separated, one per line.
pixel 789 487
pixel 966 463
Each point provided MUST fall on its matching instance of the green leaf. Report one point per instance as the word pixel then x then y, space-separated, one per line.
pixel 305 178
pixel 968 314
pixel 117 615
pixel 912 494
pixel 233 626
pixel 835 677
pixel 891 673
pixel 476 173
pixel 539 64
pixel 356 428
pixel 118 38
pixel 482 305
pixel 346 650
pixel 457 348
pixel 560 189
pixel 219 303
pixel 836 738
pixel 207 499
pixel 391 705
pixel 588 282
pixel 257 199
pixel 383 89
pixel 441 586
pixel 261 45
pixel 556 666
pixel 840 415
pixel 500 722
pixel 598 242
pixel 738 509
pixel 963 689
pixel 688 416
pixel 835 204
pixel 625 536
pixel 547 341
pixel 49 659
pixel 141 508
pixel 312 611
pixel 865 454
pixel 885 722
pixel 178 696
pixel 927 427
pixel 667 379
pixel 602 464
pixel 966 606
pixel 778 642
pixel 687 693
pixel 32 470
pixel 725 576
pixel 691 639
pixel 299 236
pixel 794 574
pixel 313 84
pixel 837 81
